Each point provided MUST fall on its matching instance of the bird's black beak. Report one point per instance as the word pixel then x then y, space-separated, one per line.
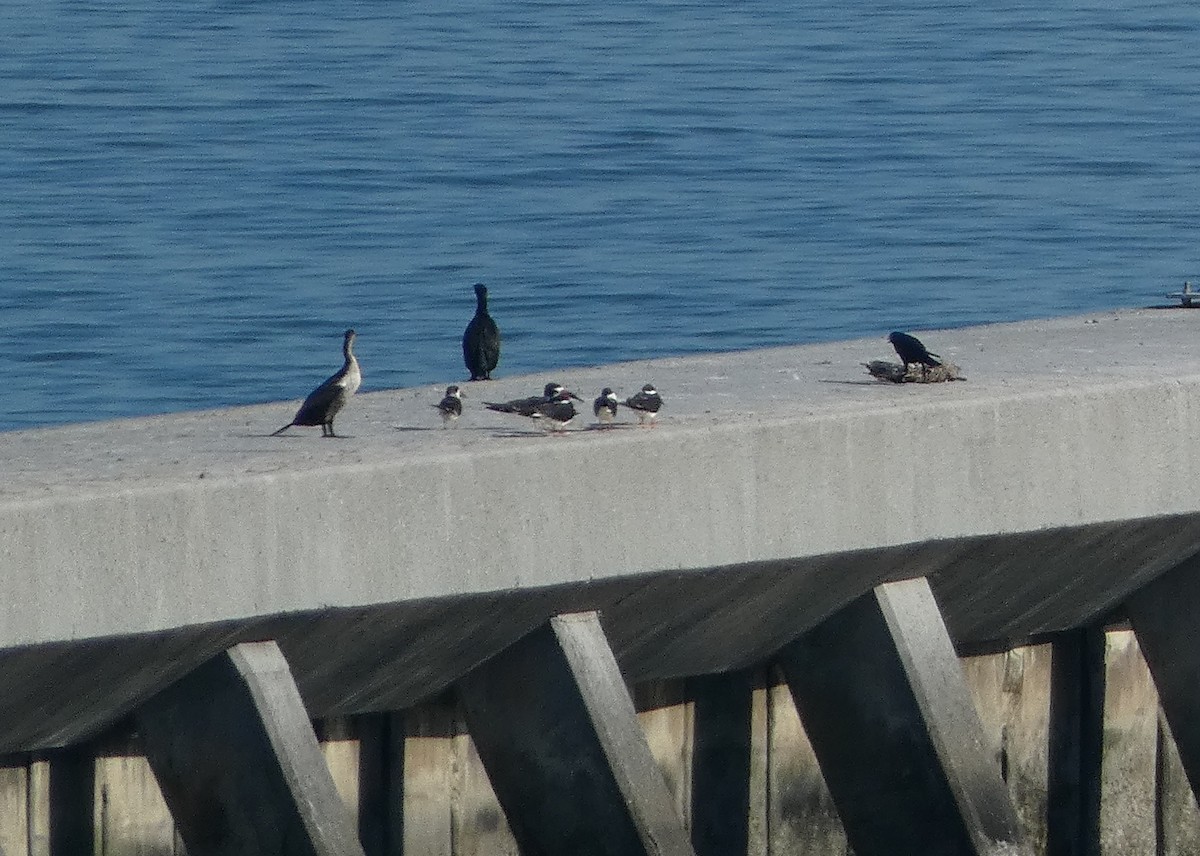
pixel 574 396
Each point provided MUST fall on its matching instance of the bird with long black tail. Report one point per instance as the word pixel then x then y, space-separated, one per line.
pixel 912 351
pixel 605 406
pixel 558 411
pixel 481 339
pixel 450 406
pixel 646 403
pixel 328 399
pixel 527 406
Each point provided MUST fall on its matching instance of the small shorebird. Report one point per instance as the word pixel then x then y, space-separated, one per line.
pixel 481 339
pixel 912 352
pixel 327 400
pixel 605 406
pixel 558 411
pixel 646 404
pixel 451 406
pixel 527 406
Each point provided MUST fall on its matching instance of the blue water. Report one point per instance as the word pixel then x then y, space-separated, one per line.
pixel 197 198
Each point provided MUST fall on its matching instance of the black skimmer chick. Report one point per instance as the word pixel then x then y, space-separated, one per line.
pixel 647 403
pixel 481 339
pixel 527 406
pixel 912 352
pixel 327 400
pixel 451 406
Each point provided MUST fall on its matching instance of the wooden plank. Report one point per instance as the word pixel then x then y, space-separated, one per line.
pixel 14 814
pixel 238 762
pixel 665 715
pixel 800 814
pixel 39 807
pixel 882 697
pixel 381 783
pixel 758 831
pixel 1076 744
pixel 1128 797
pixel 1162 614
pixel 479 825
pixel 132 816
pixel 1178 814
pixel 72 801
pixel 557 730
pixel 428 773
pixel 721 746
pixel 1011 692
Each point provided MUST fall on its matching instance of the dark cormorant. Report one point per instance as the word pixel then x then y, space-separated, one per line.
pixel 605 406
pixel 324 402
pixel 646 403
pixel 912 352
pixel 450 406
pixel 481 339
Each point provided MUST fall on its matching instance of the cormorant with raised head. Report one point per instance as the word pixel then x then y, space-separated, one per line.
pixel 481 339
pixel 327 400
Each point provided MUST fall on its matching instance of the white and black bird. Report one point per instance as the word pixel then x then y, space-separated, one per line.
pixel 328 399
pixel 481 339
pixel 451 406
pixel 912 351
pixel 527 406
pixel 605 406
pixel 646 403
pixel 558 411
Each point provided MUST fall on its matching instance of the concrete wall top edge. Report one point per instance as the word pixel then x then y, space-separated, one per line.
pixel 187 519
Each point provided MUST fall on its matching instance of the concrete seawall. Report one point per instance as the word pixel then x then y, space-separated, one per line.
pixel 781 485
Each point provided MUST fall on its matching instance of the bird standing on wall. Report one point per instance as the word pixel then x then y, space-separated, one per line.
pixel 327 400
pixel 912 352
pixel 646 404
pixel 558 411
pixel 605 406
pixel 481 339
pixel 451 406
pixel 527 406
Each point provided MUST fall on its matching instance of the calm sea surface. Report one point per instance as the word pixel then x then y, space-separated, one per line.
pixel 197 198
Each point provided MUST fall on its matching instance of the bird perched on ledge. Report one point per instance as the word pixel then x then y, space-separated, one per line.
pixel 912 352
pixel 605 406
pixel 481 339
pixel 527 406
pixel 451 406
pixel 646 404
pixel 327 400
pixel 558 411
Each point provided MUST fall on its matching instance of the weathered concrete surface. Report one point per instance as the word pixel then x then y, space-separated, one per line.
pixel 779 485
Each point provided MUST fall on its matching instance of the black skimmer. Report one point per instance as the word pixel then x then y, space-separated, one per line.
pixel 327 400
pixel 647 403
pixel 450 406
pixel 481 339
pixel 605 406
pixel 558 411
pixel 912 352
pixel 527 406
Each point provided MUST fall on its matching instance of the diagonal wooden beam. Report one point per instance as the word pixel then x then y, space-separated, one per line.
pixel 238 762
pixel 557 732
pixel 883 699
pixel 1163 616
